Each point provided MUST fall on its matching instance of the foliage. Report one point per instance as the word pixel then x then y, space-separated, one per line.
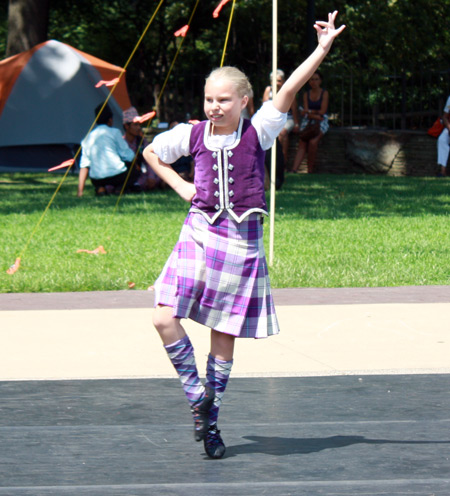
pixel 393 35
pixel 110 30
pixel 393 55
pixel 330 231
pixel 3 27
pixel 388 56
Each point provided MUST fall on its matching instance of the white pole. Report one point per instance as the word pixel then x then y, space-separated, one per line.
pixel 273 170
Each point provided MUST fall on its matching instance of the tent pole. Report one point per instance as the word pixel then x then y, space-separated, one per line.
pixel 274 148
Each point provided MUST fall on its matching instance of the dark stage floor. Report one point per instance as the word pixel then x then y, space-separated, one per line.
pixel 327 436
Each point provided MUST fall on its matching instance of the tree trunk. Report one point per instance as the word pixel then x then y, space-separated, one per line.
pixel 27 24
pixel 311 35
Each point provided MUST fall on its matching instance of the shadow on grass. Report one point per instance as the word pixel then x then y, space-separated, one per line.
pixel 302 196
pixel 31 193
pixel 357 196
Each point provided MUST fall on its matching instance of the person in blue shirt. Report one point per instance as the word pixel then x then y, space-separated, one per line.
pixel 104 157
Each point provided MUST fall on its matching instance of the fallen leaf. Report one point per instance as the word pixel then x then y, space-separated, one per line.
pixel 14 267
pixel 97 251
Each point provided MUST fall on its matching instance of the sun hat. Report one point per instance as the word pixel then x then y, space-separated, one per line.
pixel 130 115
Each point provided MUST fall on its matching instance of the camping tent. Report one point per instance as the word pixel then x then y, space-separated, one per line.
pixel 47 102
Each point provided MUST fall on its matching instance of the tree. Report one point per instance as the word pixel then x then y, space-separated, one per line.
pixel 27 24
pixel 387 47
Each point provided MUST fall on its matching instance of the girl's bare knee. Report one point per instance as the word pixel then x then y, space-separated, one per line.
pixel 162 317
pixel 168 327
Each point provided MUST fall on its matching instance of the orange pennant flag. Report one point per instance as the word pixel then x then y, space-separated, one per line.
pixel 182 31
pixel 14 267
pixel 145 117
pixel 67 163
pixel 107 83
pixel 219 8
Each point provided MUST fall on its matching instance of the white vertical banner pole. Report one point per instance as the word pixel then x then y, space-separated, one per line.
pixel 273 170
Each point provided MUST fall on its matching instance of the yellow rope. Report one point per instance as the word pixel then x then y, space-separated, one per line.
pixel 228 34
pixel 156 105
pixel 176 55
pixel 164 87
pixel 90 129
pixel 106 101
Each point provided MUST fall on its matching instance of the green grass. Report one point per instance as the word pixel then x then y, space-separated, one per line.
pixel 330 231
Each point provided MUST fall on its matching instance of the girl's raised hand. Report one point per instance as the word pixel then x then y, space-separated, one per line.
pixel 326 32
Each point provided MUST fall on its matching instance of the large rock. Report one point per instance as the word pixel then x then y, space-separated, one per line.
pixel 373 151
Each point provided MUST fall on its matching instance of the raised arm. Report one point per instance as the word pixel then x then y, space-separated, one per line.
pixel 326 33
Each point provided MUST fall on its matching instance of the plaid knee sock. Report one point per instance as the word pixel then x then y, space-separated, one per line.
pixel 181 354
pixel 217 374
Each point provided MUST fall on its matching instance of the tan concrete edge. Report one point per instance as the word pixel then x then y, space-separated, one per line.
pixel 316 340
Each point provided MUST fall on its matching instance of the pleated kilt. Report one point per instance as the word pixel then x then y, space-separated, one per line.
pixel 217 276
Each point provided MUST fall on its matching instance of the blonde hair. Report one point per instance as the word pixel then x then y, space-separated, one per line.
pixel 235 76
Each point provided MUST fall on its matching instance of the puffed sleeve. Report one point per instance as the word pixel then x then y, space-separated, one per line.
pixel 173 144
pixel 269 123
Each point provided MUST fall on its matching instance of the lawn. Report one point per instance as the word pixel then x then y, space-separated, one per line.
pixel 330 231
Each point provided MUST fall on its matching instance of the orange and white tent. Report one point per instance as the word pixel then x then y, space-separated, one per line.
pixel 47 99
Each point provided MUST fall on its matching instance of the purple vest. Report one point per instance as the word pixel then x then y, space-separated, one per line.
pixel 231 178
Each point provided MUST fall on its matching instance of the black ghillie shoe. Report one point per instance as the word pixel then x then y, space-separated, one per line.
pixel 213 443
pixel 200 412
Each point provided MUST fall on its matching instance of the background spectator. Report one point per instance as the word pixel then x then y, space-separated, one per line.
pixel 103 157
pixel 315 106
pixel 147 179
pixel 443 144
pixel 292 122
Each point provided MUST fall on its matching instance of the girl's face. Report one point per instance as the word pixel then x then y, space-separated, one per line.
pixel 223 105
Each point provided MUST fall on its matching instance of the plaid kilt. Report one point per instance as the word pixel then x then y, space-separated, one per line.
pixel 217 276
